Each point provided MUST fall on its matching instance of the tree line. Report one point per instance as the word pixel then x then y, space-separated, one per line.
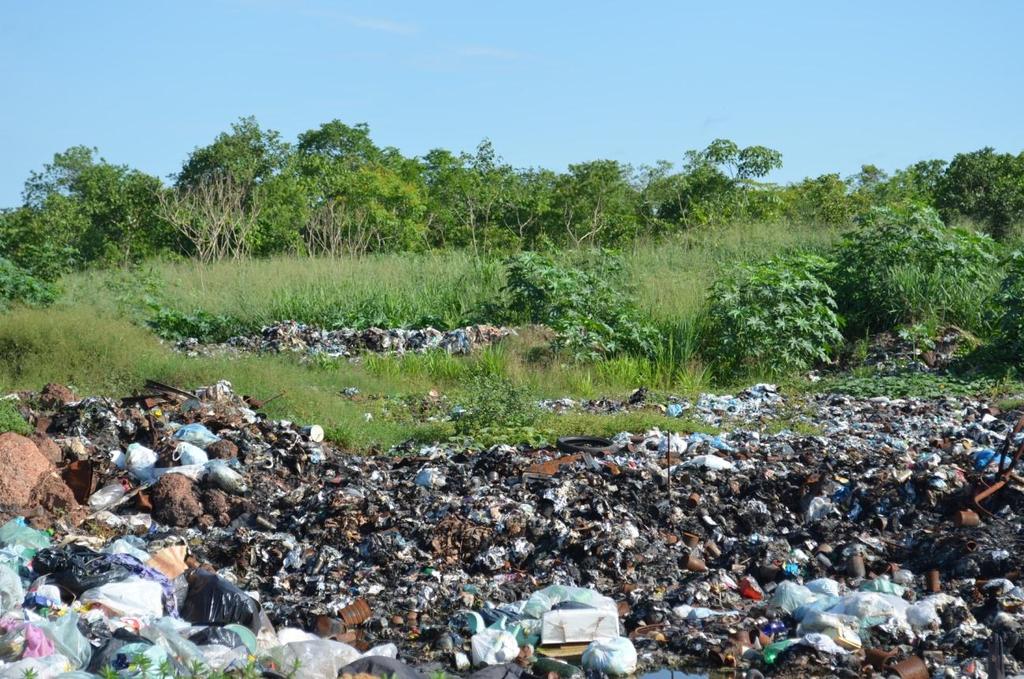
pixel 334 191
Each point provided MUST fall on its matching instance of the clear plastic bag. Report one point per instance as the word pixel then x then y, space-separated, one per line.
pixel 67 640
pixel 614 657
pixel 16 532
pixel 11 591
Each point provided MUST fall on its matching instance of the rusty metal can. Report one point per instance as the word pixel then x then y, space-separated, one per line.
pixel 855 566
pixel 966 518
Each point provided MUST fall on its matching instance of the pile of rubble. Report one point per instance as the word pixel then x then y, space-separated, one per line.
pixel 888 545
pixel 290 336
pixel 759 402
pixel 898 352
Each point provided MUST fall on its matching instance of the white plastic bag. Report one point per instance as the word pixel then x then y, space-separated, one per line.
pixel 826 586
pixel 494 647
pixel 712 462
pixel 314 659
pixel 140 462
pixel 188 454
pixel 131 597
pixel 614 657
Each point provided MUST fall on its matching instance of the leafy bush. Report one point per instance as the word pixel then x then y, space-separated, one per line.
pixel 589 309
pixel 901 266
pixel 11 419
pixel 1010 301
pixel 204 326
pixel 17 285
pixel 779 315
pixel 495 404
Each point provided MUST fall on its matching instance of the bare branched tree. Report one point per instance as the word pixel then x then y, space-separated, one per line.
pixel 337 228
pixel 216 215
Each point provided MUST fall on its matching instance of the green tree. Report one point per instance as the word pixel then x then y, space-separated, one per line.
pixel 716 184
pixel 102 212
pixel 361 198
pixel 822 200
pixel 984 186
pixel 259 164
pixel 595 203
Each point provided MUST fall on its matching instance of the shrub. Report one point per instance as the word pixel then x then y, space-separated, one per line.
pixel 202 325
pixel 17 285
pixel 589 310
pixel 778 316
pixel 902 266
pixel 495 403
pixel 11 419
pixel 1010 301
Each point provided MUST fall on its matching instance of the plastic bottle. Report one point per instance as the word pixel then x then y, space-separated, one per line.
pixel 107 496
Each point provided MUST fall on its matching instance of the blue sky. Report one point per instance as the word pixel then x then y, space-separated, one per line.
pixel 830 84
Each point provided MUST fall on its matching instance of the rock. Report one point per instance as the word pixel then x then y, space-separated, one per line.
pixel 222 450
pixel 219 505
pixel 54 395
pixel 23 468
pixel 54 496
pixel 50 450
pixel 175 502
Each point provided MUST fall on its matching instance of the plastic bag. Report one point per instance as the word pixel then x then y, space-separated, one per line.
pixel 106 497
pixel 212 600
pixel 543 600
pixel 40 668
pixel 16 532
pixel 923 615
pixel 140 462
pixel 314 659
pixel 132 597
pixel 614 657
pixel 23 640
pixel 196 434
pixel 712 462
pixel 863 605
pixel 189 454
pixel 67 639
pixel 11 591
pixel 127 546
pixel 790 596
pixel 494 647
pixel 163 633
pixel 826 586
pixel 225 478
pixel 215 635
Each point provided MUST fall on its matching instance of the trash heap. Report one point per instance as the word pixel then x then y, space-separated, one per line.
pixel 291 336
pixel 200 531
pixel 761 401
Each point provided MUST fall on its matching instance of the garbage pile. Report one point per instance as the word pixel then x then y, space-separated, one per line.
pixel 890 545
pixel 290 336
pixel 898 352
pixel 761 401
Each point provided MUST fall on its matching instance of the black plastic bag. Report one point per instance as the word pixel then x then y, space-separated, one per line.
pixel 216 635
pixel 77 569
pixel 106 654
pixel 380 666
pixel 212 600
